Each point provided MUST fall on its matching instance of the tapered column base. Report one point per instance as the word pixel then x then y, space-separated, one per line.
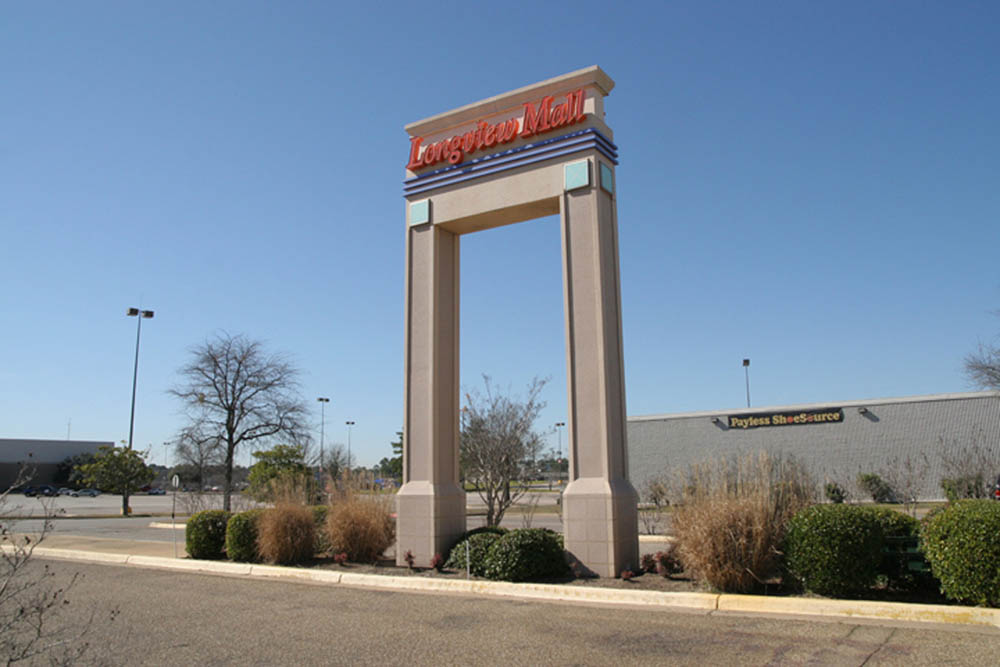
pixel 429 519
pixel 600 525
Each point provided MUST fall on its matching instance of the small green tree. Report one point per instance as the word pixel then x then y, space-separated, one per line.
pixel 393 467
pixel 283 462
pixel 117 470
pixel 68 471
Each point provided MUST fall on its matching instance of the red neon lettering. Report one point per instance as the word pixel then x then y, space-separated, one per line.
pixel 414 162
pixel 535 120
pixel 490 136
pixel 508 132
pixel 455 150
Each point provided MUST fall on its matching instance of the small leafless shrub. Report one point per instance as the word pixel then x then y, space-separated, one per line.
pixel 972 466
pixel 286 534
pixel 732 516
pixel 528 510
pixel 654 504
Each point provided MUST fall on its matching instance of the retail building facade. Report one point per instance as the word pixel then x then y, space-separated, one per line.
pixel 837 441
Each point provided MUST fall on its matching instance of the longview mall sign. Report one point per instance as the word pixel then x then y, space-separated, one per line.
pixel 550 113
pixel 828 416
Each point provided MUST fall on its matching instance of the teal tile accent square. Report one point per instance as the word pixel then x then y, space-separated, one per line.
pixel 577 175
pixel 420 212
pixel 607 178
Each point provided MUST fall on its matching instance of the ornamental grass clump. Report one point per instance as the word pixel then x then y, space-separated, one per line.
pixel 286 534
pixel 962 544
pixel 730 516
pixel 361 526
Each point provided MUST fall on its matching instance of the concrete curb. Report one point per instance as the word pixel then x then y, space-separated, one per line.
pixel 700 602
pixel 896 611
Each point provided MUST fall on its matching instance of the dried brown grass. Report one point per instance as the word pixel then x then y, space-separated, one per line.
pixel 286 534
pixel 361 525
pixel 730 517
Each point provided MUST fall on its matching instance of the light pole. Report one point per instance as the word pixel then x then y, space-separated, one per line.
pixel 140 315
pixel 322 429
pixel 166 454
pixel 746 371
pixel 349 425
pixel 559 426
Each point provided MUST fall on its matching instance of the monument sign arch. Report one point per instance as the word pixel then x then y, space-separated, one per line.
pixel 537 151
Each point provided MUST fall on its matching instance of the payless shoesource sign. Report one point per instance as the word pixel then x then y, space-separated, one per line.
pixel 828 416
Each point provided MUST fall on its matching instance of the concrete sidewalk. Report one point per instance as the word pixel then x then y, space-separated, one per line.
pixel 160 555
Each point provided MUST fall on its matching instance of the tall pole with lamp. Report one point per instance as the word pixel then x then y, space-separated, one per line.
pixel 349 425
pixel 322 430
pixel 559 426
pixel 746 371
pixel 140 315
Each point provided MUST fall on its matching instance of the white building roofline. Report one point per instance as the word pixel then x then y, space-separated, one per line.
pixel 927 398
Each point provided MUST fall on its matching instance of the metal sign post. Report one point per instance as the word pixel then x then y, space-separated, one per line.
pixel 175 481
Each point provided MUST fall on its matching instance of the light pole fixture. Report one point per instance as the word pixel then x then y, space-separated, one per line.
pixel 349 425
pixel 140 315
pixel 322 428
pixel 559 426
pixel 746 371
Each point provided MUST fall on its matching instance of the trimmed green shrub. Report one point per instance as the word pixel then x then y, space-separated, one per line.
pixel 495 530
pixel 205 534
pixel 320 513
pixel 901 533
pixel 879 489
pixel 479 546
pixel 968 486
pixel 834 492
pixel 834 549
pixel 962 544
pixel 527 554
pixel 241 537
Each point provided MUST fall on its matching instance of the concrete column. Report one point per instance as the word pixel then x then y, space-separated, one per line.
pixel 430 505
pixel 599 505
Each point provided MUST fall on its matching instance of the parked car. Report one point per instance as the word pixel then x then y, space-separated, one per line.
pixel 41 490
pixel 156 492
pixel 93 493
pixel 68 492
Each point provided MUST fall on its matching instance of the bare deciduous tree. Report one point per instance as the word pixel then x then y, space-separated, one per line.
pixel 498 443
pixel 983 367
pixel 235 393
pixel 199 449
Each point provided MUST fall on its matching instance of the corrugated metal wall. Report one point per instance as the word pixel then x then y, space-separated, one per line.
pixel 892 431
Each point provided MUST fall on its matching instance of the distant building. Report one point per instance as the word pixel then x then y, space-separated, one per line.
pixel 836 440
pixel 42 457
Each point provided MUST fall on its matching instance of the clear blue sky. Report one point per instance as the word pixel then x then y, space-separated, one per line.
pixel 811 185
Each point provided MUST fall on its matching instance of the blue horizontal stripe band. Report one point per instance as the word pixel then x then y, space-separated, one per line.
pixel 498 159
pixel 523 155
pixel 537 144
pixel 528 159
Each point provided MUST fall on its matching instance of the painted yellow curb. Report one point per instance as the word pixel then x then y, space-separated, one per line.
pixel 897 611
